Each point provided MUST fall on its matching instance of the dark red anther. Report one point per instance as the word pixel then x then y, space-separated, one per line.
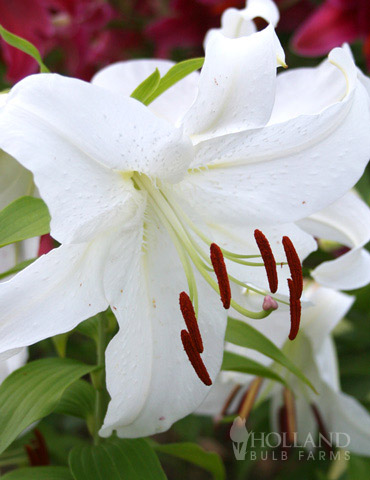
pixel 322 429
pixel 291 424
pixel 268 259
pixel 295 310
pixel 295 265
pixel 219 267
pixel 37 452
pixel 194 358
pixel 233 393
pixel 188 313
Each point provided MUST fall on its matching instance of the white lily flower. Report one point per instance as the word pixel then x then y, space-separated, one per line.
pixel 131 190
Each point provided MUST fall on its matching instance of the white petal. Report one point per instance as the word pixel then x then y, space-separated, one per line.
pixel 328 308
pixel 238 23
pixel 67 132
pixel 349 271
pixel 66 144
pixel 218 395
pixel 327 363
pixel 344 414
pixel 52 295
pixel 308 91
pixel 239 95
pixel 285 171
pixel 149 377
pixel 13 363
pixel 346 221
pixel 124 77
pixel 15 180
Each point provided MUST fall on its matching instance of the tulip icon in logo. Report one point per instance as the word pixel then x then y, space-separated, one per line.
pixel 239 436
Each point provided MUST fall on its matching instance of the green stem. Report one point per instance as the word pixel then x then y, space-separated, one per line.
pixel 99 386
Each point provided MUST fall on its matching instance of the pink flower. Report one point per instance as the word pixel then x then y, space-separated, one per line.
pixel 82 35
pixel 31 20
pixel 79 28
pixel 187 24
pixel 293 13
pixel 332 24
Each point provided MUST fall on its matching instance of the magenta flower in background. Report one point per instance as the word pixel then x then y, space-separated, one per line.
pixel 187 23
pixel 31 20
pixel 293 13
pixel 332 24
pixel 79 28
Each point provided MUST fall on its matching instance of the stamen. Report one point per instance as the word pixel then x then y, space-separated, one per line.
pixel 295 265
pixel 268 259
pixel 322 429
pixel 194 358
pixel 37 452
pixel 219 267
pixel 269 303
pixel 295 310
pixel 291 426
pixel 188 313
pixel 247 402
pixel 227 403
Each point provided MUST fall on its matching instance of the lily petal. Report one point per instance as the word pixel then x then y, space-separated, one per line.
pixel 70 132
pixel 277 173
pixel 346 221
pixel 69 272
pixel 146 359
pixel 15 180
pixel 124 77
pixel 327 310
pixel 236 97
pixel 345 414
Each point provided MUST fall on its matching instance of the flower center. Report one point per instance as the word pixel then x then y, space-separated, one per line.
pixel 189 242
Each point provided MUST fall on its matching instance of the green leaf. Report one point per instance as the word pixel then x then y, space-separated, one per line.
pixel 39 473
pixel 33 391
pixel 17 268
pixel 193 453
pixel 174 75
pixel 116 460
pixel 78 400
pixel 237 363
pixel 23 45
pixel 147 87
pixel 244 335
pixel 24 218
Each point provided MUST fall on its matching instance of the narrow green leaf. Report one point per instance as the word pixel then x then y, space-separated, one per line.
pixel 116 459
pixel 78 400
pixel 193 453
pixel 33 391
pixel 39 473
pixel 147 87
pixel 244 335
pixel 237 363
pixel 174 75
pixel 23 45
pixel 17 268
pixel 26 217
